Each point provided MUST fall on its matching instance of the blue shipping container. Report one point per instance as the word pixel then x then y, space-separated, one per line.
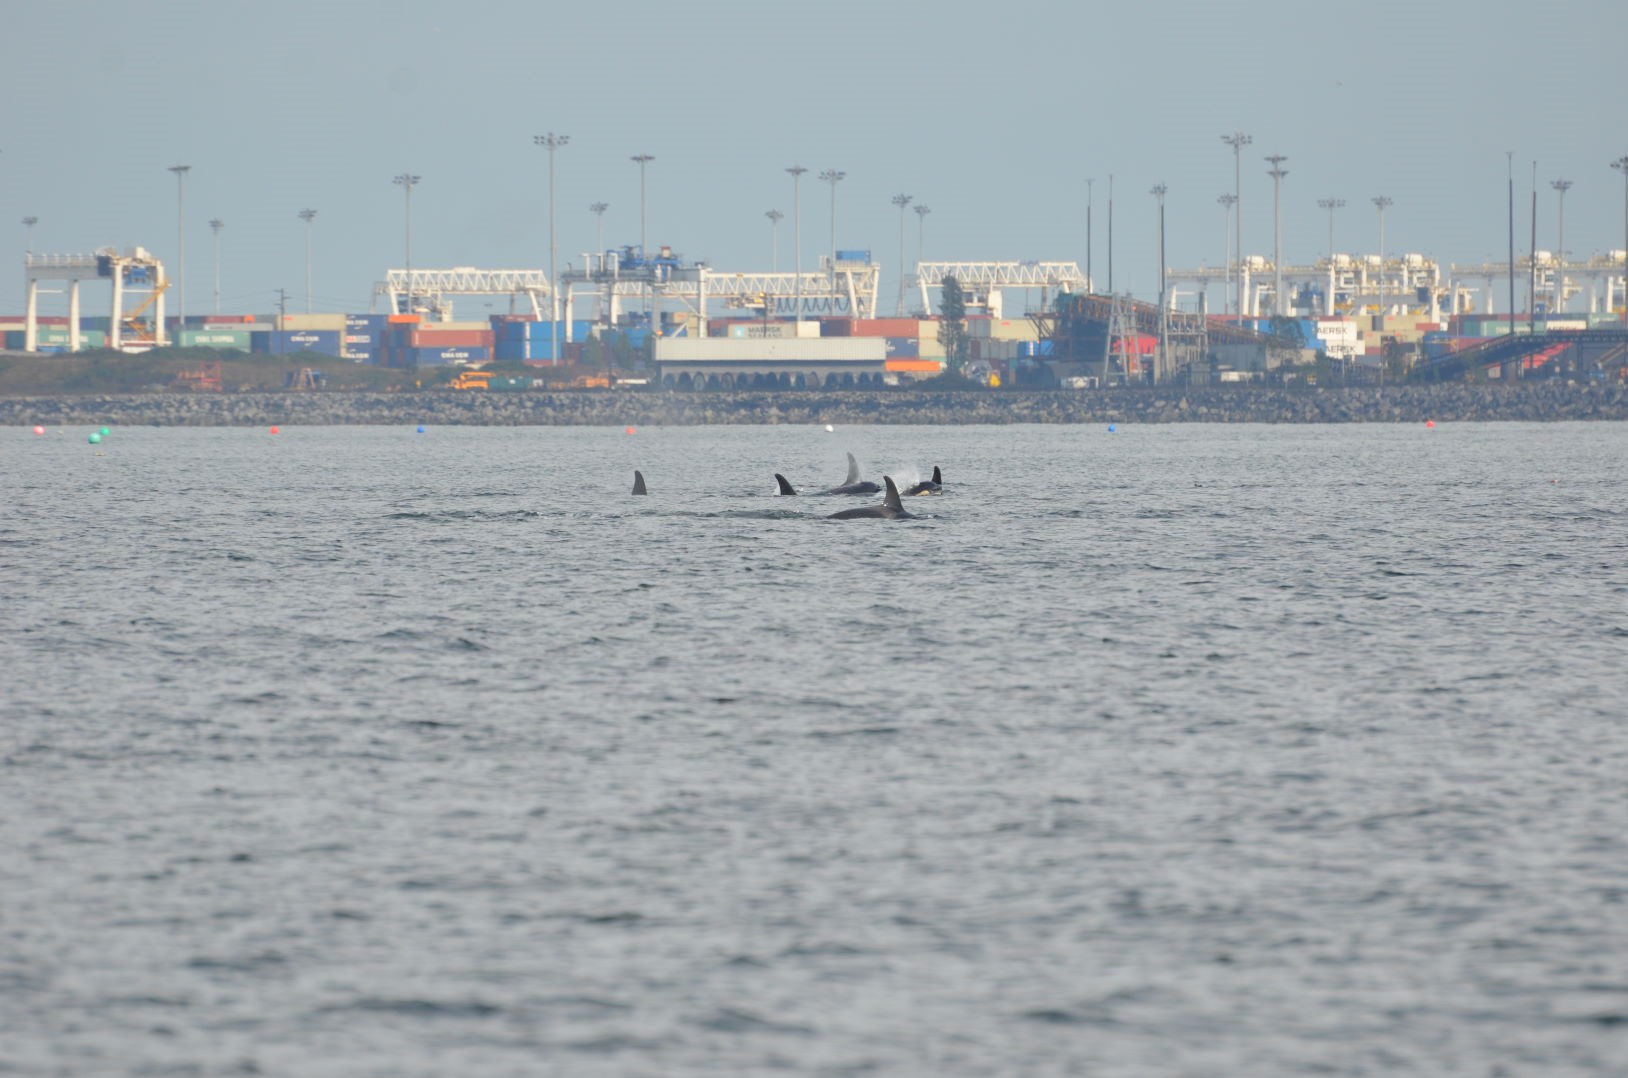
pixel 365 323
pixel 323 341
pixel 903 347
pixel 440 357
pixel 853 256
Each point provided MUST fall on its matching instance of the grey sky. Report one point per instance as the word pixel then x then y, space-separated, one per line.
pixel 993 115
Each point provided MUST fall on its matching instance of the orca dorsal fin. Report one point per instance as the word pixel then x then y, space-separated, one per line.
pixel 638 482
pixel 853 471
pixel 938 480
pixel 785 487
pixel 892 499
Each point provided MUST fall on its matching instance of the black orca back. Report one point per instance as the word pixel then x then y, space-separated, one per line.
pixel 785 486
pixel 638 482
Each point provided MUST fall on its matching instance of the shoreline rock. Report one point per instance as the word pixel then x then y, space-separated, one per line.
pixel 1526 402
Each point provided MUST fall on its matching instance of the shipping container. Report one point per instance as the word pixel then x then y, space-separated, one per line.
pixel 283 342
pixel 902 347
pixel 227 319
pixel 805 350
pixel 216 336
pixel 851 255
pixel 403 319
pixel 315 322
pixel 441 357
pixel 451 338
pixel 918 367
pixel 884 327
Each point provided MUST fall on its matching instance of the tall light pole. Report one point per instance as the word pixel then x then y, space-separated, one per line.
pixel 1110 233
pixel 833 177
pixel 1238 140
pixel 308 216
pixel 598 210
pixel 797 238
pixel 921 236
pixel 900 201
pixel 1621 165
pixel 774 217
pixel 181 238
pixel 28 231
pixel 552 142
pixel 1330 204
pixel 1561 187
pixel 1090 284
pixel 1159 359
pixel 642 159
pixel 407 181
pixel 1381 202
pixel 215 225
pixel 1277 172
pixel 1226 202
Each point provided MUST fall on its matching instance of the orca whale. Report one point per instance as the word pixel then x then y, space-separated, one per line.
pixel 890 509
pixel 638 482
pixel 850 485
pixel 935 485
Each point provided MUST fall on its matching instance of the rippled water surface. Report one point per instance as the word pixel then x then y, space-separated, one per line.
pixel 1173 751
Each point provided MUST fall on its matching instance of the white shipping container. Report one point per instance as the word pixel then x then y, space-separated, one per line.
pixel 1013 329
pixel 314 322
pixel 788 350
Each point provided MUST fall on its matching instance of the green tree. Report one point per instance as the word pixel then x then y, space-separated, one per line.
pixel 952 325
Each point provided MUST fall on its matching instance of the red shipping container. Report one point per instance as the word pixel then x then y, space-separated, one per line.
pixel 884 327
pixel 452 338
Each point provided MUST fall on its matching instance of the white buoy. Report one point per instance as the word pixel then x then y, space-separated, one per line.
pixel 829 429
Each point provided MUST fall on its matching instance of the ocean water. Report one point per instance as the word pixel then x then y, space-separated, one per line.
pixel 1178 750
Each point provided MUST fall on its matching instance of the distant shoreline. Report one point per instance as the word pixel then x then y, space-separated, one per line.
pixel 1527 402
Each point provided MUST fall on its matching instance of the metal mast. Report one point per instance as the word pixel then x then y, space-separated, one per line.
pixel 1621 165
pixel 307 216
pixel 643 159
pixel 28 231
pixel 407 181
pixel 1238 140
pixel 797 237
pixel 1091 286
pixel 181 236
pixel 1561 187
pixel 1330 204
pixel 900 201
pixel 921 231
pixel 774 217
pixel 1226 202
pixel 215 225
pixel 552 142
pixel 1380 203
pixel 1160 358
pixel 1277 172
pixel 598 210
pixel 833 177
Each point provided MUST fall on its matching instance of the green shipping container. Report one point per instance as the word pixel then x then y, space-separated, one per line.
pixel 57 337
pixel 216 337
pixel 511 383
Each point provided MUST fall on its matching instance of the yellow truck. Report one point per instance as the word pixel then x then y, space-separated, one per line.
pixel 471 380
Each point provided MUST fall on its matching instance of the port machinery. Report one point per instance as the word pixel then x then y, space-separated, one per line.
pixel 843 288
pixel 985 282
pixel 1349 283
pixel 134 272
pixel 1354 283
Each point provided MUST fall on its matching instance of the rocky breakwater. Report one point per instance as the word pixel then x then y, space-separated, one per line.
pixel 1528 402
